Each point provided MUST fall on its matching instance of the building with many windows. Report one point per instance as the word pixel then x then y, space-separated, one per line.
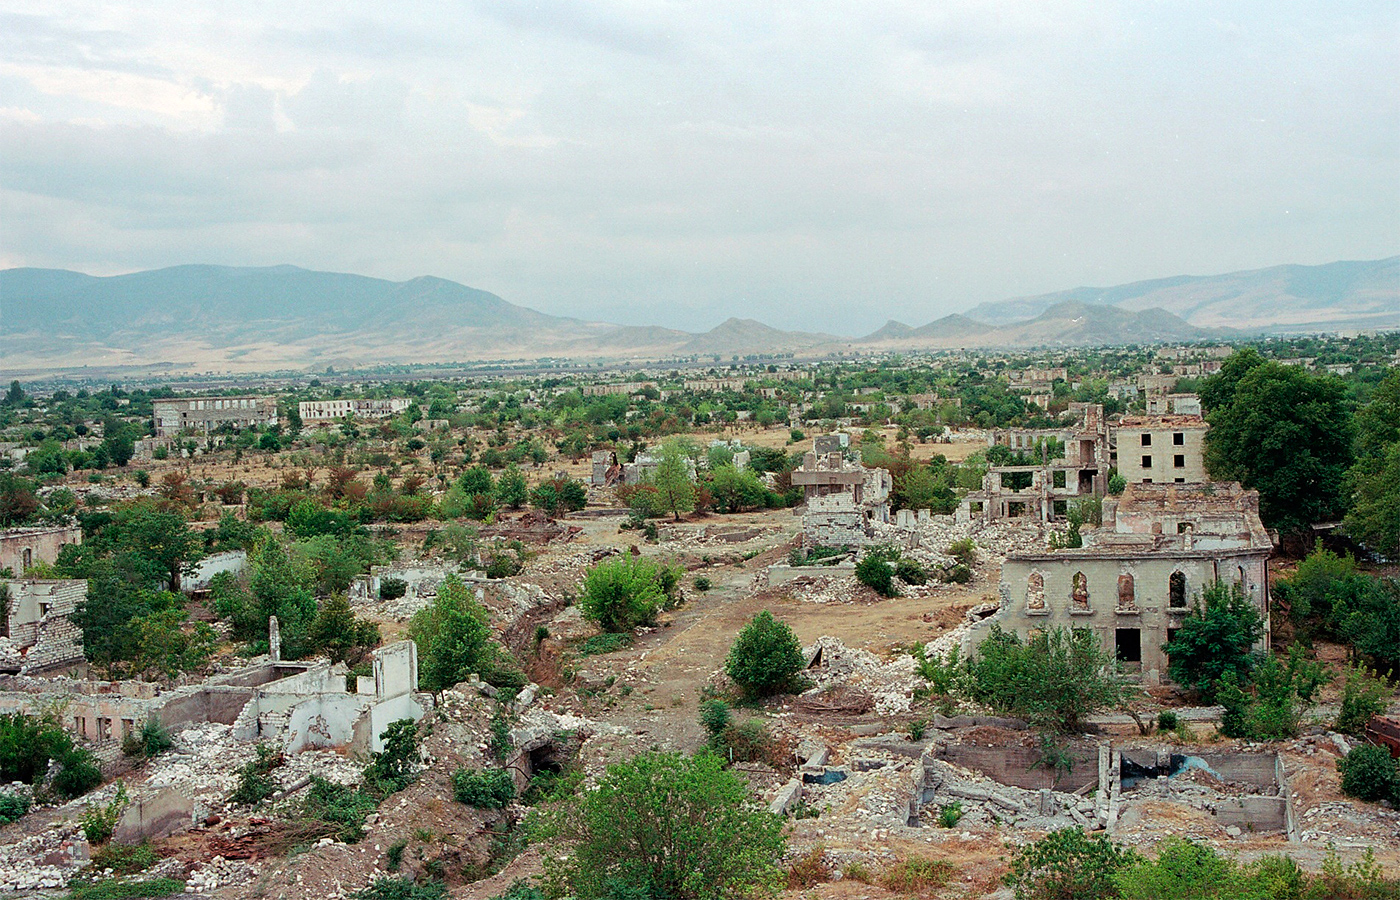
pixel 205 414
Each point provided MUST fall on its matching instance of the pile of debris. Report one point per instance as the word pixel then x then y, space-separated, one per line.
pixel 890 684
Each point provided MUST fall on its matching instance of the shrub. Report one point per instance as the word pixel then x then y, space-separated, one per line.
pixel 620 594
pixel 340 809
pixel 747 741
pixel 13 807
pixel 765 658
pixel 958 574
pixel 950 814
pixel 151 740
pixel 1185 870
pixel 715 717
pixel 1273 708
pixel 393 857
pixel 1053 680
pixel 401 888
pixel 392 588
pixel 1167 720
pixel 30 745
pixel 964 551
pixel 483 789
pixel 667 826
pixel 392 769
pixel 599 644
pixel 99 821
pixel 874 572
pixel 1364 695
pixel 521 890
pixel 1067 865
pixel 702 584
pixel 111 889
pixel 910 572
pixel 254 782
pixel 125 859
pixel 454 641
pixel 1368 773
pixel 808 870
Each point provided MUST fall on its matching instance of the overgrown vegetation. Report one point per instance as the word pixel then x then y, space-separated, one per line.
pixel 622 593
pixel 765 658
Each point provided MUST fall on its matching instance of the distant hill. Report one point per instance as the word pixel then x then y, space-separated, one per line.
pixel 221 318
pixel 1279 299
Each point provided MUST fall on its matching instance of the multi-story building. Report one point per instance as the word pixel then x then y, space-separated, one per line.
pixel 316 411
pixel 21 548
pixel 205 414
pixel 1162 449
pixel 1137 576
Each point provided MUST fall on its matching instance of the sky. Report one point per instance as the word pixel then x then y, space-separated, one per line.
pixel 818 166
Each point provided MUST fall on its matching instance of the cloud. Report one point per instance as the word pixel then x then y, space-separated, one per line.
pixel 825 166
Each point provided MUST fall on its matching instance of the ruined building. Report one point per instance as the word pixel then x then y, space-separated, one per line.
pixel 1041 491
pixel 36 634
pixel 206 414
pixel 1163 449
pixel 1137 576
pixel 21 548
pixel 315 412
pixel 843 496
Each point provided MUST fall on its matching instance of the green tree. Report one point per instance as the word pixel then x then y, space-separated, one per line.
pixel 1272 707
pixel 511 490
pixel 1287 434
pixel 664 825
pixel 1054 680
pixel 621 593
pixel 765 658
pixel 671 479
pixel 18 501
pixel 1375 514
pixel 1216 637
pixel 1184 870
pixel 734 490
pixel 454 641
pixel 1369 620
pixel 159 537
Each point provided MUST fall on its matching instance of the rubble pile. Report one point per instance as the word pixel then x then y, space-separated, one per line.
pixel 219 873
pixel 43 861
pixel 987 802
pixel 891 684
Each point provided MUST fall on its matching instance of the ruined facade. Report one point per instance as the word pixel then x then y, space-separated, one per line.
pixel 1160 449
pixel 606 469
pixel 1138 575
pixel 21 548
pixel 37 634
pixel 1041 491
pixel 843 496
pixel 205 414
pixel 314 412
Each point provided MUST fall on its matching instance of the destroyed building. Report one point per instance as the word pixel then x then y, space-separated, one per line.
pixel 1041 491
pixel 36 634
pixel 606 469
pixel 206 414
pixel 1137 576
pixel 23 548
pixel 315 412
pixel 1162 449
pixel 842 496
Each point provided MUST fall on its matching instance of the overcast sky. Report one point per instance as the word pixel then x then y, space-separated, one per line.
pixel 816 165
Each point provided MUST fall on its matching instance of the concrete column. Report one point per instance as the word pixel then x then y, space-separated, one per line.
pixel 274 639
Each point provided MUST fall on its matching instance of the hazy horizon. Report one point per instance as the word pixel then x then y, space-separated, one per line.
pixel 649 164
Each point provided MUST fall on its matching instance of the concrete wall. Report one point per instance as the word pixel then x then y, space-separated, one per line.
pixel 1163 453
pixel 1152 616
pixel 1016 766
pixel 34 545
pixel 234 562
pixel 166 813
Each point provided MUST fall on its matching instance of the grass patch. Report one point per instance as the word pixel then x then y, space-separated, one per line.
pixel 112 889
pixel 124 859
pixel 916 873
pixel 600 644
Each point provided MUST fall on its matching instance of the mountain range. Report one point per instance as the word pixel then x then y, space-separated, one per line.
pixel 218 318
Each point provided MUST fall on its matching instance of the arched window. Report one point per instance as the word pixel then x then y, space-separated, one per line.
pixel 1127 596
pixel 1080 593
pixel 1243 582
pixel 27 560
pixel 1176 589
pixel 1035 591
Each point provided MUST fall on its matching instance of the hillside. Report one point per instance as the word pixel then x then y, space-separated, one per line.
pixel 1340 295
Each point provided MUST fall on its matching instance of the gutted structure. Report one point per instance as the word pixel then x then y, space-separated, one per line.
pixel 315 412
pixel 36 634
pixel 205 414
pixel 843 496
pixel 22 548
pixel 1163 449
pixel 1138 575
pixel 1041 490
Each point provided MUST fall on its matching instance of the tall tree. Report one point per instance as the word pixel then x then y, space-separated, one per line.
pixel 1375 514
pixel 672 480
pixel 1287 434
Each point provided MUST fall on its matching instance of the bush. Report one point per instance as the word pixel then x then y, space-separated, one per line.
pixel 964 551
pixel 1167 720
pixel 599 644
pixel 702 584
pixel 666 826
pixel 1052 681
pixel 125 859
pixel 340 809
pixel 916 875
pixel 30 745
pixel 99 821
pixel 874 572
pixel 254 782
pixel 1185 870
pixel 483 789
pixel 1273 708
pixel 153 739
pixel 747 741
pixel 715 717
pixel 1364 695
pixel 392 769
pixel 392 588
pixel 13 807
pixel 621 593
pixel 455 641
pixel 1067 865
pixel 520 890
pixel 765 658
pixel 950 814
pixel 401 888
pixel 111 889
pixel 910 572
pixel 1368 773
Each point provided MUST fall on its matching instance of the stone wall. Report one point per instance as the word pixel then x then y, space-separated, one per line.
pixel 38 622
pixel 23 547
